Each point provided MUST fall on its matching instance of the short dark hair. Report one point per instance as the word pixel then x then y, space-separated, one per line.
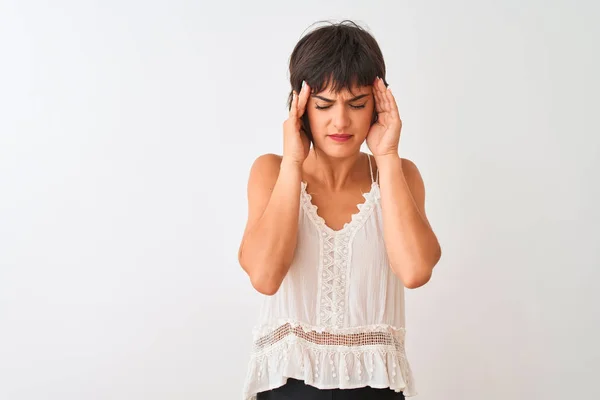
pixel 341 54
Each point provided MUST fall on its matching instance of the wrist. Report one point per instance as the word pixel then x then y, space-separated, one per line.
pixel 291 164
pixel 388 160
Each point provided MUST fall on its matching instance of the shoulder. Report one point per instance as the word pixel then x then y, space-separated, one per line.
pixel 265 169
pixel 412 174
pixel 267 164
pixel 410 169
pixel 413 178
pixel 267 161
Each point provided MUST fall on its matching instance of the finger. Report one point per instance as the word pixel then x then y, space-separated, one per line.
pixel 294 106
pixel 385 104
pixel 377 96
pixel 377 99
pixel 392 102
pixel 303 99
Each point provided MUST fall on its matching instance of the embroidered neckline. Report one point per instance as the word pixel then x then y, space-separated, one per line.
pixel 355 219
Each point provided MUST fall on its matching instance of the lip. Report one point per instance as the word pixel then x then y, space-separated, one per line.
pixel 340 137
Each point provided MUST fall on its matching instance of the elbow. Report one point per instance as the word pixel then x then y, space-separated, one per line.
pixel 263 281
pixel 415 281
pixel 419 276
pixel 417 270
pixel 422 275
pixel 264 284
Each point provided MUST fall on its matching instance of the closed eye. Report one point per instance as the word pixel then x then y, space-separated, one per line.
pixel 352 106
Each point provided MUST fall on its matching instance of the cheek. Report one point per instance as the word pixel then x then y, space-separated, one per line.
pixel 364 117
pixel 317 118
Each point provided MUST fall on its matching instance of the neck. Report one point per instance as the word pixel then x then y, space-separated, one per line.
pixel 335 172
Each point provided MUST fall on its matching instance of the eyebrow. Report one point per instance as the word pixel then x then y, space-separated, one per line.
pixel 333 101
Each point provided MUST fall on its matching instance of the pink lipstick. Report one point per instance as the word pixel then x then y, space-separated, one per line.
pixel 340 137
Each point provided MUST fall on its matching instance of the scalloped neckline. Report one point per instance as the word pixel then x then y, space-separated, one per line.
pixel 354 218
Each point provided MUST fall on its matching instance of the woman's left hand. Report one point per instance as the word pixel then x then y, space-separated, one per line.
pixel 384 136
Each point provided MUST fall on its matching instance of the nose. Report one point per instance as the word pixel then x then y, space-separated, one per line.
pixel 341 118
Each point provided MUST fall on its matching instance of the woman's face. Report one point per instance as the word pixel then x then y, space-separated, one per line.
pixel 340 122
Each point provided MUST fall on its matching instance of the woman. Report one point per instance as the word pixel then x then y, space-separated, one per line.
pixel 334 235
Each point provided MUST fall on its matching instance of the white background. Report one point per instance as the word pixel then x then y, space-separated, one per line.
pixel 127 129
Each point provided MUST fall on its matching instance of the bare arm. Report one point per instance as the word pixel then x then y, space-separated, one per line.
pixel 269 241
pixel 412 247
pixel 411 244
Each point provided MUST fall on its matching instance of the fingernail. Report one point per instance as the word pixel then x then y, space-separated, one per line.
pixel 303 83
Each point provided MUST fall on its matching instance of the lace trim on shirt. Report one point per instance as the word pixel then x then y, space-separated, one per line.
pixel 330 358
pixel 357 218
pixel 380 335
pixel 335 256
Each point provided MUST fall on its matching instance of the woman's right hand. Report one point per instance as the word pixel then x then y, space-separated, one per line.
pixel 295 142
